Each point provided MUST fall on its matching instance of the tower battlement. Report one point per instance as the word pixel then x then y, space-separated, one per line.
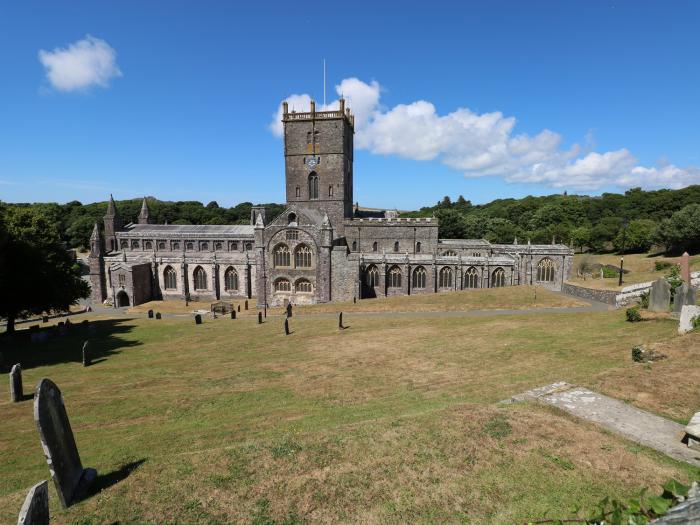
pixel 342 112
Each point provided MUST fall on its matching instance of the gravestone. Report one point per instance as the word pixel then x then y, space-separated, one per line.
pixel 340 321
pixel 688 314
pixel 150 314
pixel 246 304
pixel 233 314
pixel 660 296
pixel 158 316
pixel 289 309
pixel 259 317
pixel 71 479
pixel 87 358
pixel 683 295
pixel 286 327
pixel 16 390
pixel 685 268
pixel 35 510
pixel 197 319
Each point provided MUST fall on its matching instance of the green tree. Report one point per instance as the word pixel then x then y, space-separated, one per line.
pixel 682 230
pixel 37 274
pixel 501 231
pixel 637 237
pixel 581 237
pixel 451 224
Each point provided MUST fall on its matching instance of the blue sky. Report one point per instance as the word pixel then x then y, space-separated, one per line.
pixel 484 99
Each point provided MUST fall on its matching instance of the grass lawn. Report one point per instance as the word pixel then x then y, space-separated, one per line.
pixel 392 420
pixel 640 266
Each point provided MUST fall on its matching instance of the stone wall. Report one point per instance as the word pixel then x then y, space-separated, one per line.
pixel 602 296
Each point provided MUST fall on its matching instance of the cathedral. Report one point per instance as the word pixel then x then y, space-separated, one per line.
pixel 320 249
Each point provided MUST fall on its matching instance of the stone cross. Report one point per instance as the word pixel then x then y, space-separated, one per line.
pixel 660 296
pixel 289 309
pixel 685 268
pixel 233 314
pixel 340 321
pixel 87 358
pixel 35 510
pixel 286 326
pixel 158 316
pixel 259 317
pixel 197 319
pixel 150 314
pixel 246 304
pixel 16 390
pixel 71 479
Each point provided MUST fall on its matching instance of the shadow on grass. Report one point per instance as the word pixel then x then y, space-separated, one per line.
pixel 53 345
pixel 104 481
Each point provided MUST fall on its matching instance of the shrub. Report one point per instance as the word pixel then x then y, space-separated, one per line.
pixel 662 265
pixel 696 322
pixel 644 300
pixel 610 273
pixel 638 354
pixel 633 315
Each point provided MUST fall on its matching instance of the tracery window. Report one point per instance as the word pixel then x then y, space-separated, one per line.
pixel 476 254
pixel 248 246
pixel 313 185
pixel 302 256
pixel 134 245
pixel 283 285
pixel 231 280
pixel 498 278
pixel 170 278
pixel 419 277
pixel 303 286
pixel 445 278
pixel 200 278
pixel 298 192
pixel 545 270
pixel 395 277
pixel 282 257
pixel 372 276
pixel 471 278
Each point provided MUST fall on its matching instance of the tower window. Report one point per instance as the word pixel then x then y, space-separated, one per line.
pixel 313 185
pixel 418 247
pixel 374 246
pixel 354 246
pixel 298 192
pixel 396 246
pixel 330 191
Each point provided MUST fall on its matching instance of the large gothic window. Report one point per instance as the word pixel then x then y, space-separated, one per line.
pixel 200 278
pixel 303 286
pixel 471 278
pixel 231 280
pixel 394 277
pixel 545 270
pixel 372 276
pixel 302 256
pixel 498 278
pixel 419 277
pixel 282 257
pixel 170 278
pixel 445 278
pixel 313 185
pixel 283 285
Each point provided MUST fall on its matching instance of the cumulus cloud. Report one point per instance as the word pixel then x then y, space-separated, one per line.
pixel 85 63
pixel 486 144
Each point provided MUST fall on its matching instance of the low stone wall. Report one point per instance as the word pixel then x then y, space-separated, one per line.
pixel 602 296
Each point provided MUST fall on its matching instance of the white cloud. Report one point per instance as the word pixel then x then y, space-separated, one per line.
pixel 485 144
pixel 82 64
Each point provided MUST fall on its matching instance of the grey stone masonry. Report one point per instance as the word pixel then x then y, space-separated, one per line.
pixel 35 510
pixel 72 481
pixel 660 296
pixel 16 390
pixel 683 295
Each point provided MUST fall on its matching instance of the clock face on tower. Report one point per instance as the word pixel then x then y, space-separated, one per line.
pixel 312 162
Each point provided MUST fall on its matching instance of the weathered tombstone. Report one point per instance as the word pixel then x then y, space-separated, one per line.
pixel 87 358
pixel 71 479
pixel 289 309
pixel 286 326
pixel 197 319
pixel 340 321
pixel 259 317
pixel 246 304
pixel 35 510
pixel 44 318
pixel 233 314
pixel 158 316
pixel 685 268
pixel 150 314
pixel 16 390
pixel 683 295
pixel 688 314
pixel 660 296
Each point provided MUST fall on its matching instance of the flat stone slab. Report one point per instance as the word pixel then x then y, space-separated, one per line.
pixel 637 425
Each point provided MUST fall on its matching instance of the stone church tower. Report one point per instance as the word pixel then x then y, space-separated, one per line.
pixel 113 224
pixel 97 267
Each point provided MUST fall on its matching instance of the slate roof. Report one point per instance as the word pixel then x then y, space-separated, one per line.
pixel 190 230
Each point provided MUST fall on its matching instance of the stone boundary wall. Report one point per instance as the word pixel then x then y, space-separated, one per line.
pixel 602 296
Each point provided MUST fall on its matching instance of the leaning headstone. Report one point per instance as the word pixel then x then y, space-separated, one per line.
pixel 246 304
pixel 688 314
pixel 150 314
pixel 340 321
pixel 286 326
pixel 683 295
pixel 158 316
pixel 35 510
pixel 233 314
pixel 16 390
pixel 289 309
pixel 685 268
pixel 259 317
pixel 197 319
pixel 71 479
pixel 660 296
pixel 87 358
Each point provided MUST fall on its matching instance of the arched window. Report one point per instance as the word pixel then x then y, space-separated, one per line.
pixel 218 246
pixel 395 277
pixel 302 256
pixel 396 246
pixel 354 246
pixel 161 245
pixel 189 246
pixel 374 246
pixel 298 192
pixel 476 254
pixel 545 271
pixel 204 247
pixel 419 277
pixel 170 278
pixel 445 277
pixel 282 257
pixel 418 247
pixel 134 245
pixel 498 278
pixel 123 244
pixel 148 245
pixel 303 286
pixel 471 278
pixel 450 253
pixel 231 280
pixel 292 218
pixel 176 245
pixel 283 285
pixel 313 185
pixel 372 277
pixel 200 278
pixel 330 191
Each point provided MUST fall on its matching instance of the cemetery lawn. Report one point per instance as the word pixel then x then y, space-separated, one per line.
pixel 392 420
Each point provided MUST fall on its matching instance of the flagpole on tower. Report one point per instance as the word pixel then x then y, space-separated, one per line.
pixel 324 82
